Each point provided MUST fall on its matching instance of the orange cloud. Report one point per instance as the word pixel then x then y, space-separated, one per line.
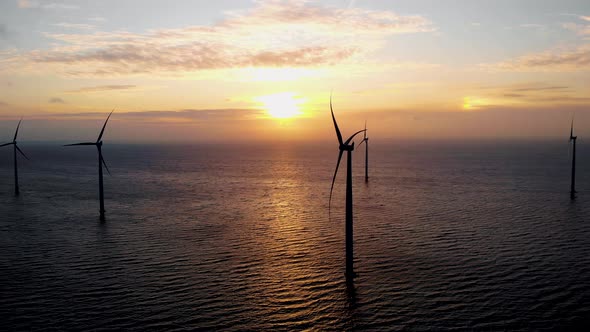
pixel 101 88
pixel 135 59
pixel 275 33
pixel 180 116
pixel 560 60
pixel 582 30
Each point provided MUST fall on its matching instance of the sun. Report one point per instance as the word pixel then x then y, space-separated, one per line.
pixel 474 103
pixel 466 103
pixel 281 105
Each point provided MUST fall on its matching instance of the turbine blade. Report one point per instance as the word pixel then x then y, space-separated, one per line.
pixel 105 165
pixel 16 132
pixel 353 135
pixel 335 124
pixel 21 152
pixel 87 143
pixel 363 141
pixel 5 144
pixel 104 126
pixel 572 129
pixel 334 177
pixel 365 133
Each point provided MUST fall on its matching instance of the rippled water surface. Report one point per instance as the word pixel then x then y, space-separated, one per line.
pixel 447 236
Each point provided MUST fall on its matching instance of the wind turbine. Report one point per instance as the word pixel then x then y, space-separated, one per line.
pixel 366 141
pixel 16 148
pixel 101 162
pixel 573 138
pixel 345 146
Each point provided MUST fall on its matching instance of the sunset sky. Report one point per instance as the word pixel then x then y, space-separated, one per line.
pixel 263 70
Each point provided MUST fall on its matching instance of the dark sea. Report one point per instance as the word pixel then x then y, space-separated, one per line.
pixel 448 236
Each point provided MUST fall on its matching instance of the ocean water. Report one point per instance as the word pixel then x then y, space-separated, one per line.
pixel 448 236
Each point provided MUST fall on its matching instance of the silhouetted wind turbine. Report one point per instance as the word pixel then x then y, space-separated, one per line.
pixel 101 162
pixel 573 138
pixel 366 141
pixel 16 148
pixel 345 146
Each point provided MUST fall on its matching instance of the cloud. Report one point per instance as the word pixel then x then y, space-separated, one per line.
pixel 155 126
pixel 101 88
pixel 272 13
pixel 541 87
pixel 80 26
pixel 513 95
pixel 30 4
pixel 536 93
pixel 56 100
pixel 562 60
pixel 559 60
pixel 136 59
pixel 274 33
pixel 235 125
pixel 562 99
pixel 579 29
pixel 25 4
pixel 171 116
pixel 583 29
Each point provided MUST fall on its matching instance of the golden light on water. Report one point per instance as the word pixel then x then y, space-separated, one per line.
pixel 282 105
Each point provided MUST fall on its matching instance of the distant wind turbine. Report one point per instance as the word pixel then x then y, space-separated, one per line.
pixel 16 148
pixel 345 146
pixel 573 139
pixel 101 162
pixel 366 141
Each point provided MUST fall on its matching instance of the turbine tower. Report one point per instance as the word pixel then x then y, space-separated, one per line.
pixel 573 139
pixel 366 141
pixel 345 146
pixel 101 162
pixel 16 148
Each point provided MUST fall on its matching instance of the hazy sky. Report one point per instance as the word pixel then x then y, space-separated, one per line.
pixel 261 70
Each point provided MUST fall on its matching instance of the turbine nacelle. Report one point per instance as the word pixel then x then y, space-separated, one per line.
pixel 347 147
pixel 15 143
pixel 572 137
